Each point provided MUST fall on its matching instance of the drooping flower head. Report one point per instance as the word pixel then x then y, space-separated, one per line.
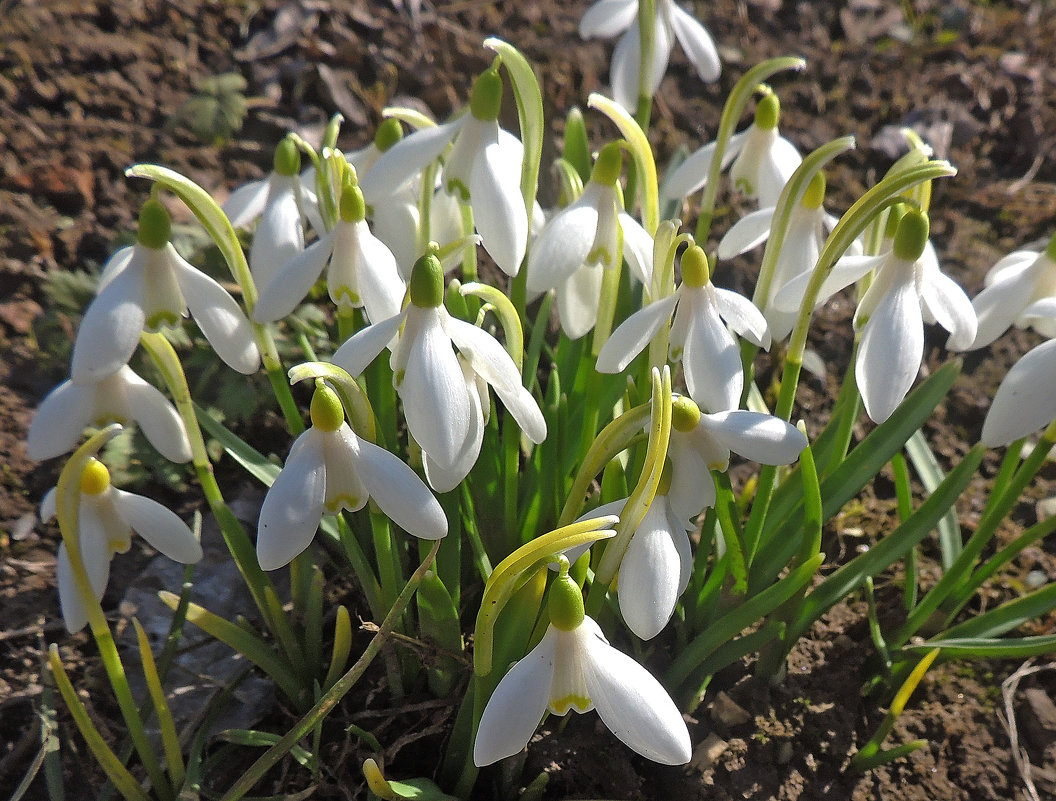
pixel 106 519
pixel 329 469
pixel 582 240
pixel 483 169
pixel 574 667
pixel 121 397
pixel 362 271
pixel 1020 289
pixel 443 391
pixel 149 285
pixel 700 335
pixel 608 18
pixel 761 160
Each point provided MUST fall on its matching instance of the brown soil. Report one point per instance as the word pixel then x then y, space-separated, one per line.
pixel 88 87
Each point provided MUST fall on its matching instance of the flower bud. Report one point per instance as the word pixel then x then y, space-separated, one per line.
pixel 565 602
pixel 1050 251
pixel 815 194
pixel 696 270
pixel 893 216
pixel 767 112
pixel 486 98
pixel 326 410
pixel 911 235
pixel 389 133
pixel 685 414
pixel 287 157
pixel 95 478
pixel 155 225
pixel 608 165
pixel 427 282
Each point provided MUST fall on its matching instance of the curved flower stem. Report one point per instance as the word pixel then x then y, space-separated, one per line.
pixel 731 113
pixel 168 363
pixel 219 228
pixel 67 498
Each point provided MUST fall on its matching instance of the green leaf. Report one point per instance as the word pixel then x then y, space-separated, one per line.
pixel 255 463
pixel 890 549
pixel 784 522
pixel 267 739
pixel 988 647
pixel 931 475
pixel 1006 617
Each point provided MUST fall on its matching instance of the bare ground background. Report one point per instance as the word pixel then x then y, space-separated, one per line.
pixel 88 88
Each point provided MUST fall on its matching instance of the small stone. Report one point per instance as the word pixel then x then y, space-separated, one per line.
pixel 708 752
pixel 727 712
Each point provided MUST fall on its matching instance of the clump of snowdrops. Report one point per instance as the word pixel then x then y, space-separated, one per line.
pixel 559 496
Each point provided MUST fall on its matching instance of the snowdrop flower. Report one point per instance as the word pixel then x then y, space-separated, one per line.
pixel 762 160
pixel 362 270
pixel 146 286
pixel 657 564
pixel 443 394
pixel 483 168
pixel 1014 288
pixel 106 519
pixel 582 240
pixel 808 227
pixel 329 469
pixel 277 202
pixel 700 338
pixel 574 667
pixel 607 18
pixel 908 290
pixel 702 442
pixel 120 397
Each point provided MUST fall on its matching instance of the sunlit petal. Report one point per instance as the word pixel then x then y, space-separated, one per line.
pixel 607 18
pixel 499 212
pixel 400 493
pixel 110 329
pixel 291 284
pixel 158 525
pixel 405 159
pixel 634 335
pixel 156 416
pixel 293 506
pixel 696 43
pixel 890 352
pixel 650 574
pixel 757 436
pixel 1025 401
pixel 747 233
pixel 517 705
pixel 363 347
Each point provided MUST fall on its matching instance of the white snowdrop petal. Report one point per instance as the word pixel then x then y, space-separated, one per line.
pixel 748 232
pixel 517 705
pixel 650 573
pixel 114 266
pixel 293 506
pixel 378 281
pixel 634 335
pixel 157 418
pixel 780 161
pixel 692 487
pixel 637 248
pixel 363 347
pixel 606 18
pixel 711 359
pixel 760 437
pixel 1025 401
pixel 72 607
pixel 158 525
pixel 219 316
pixel 578 299
pixel 60 420
pixel 951 309
pixel 564 243
pixel 499 213
pixel 743 317
pixel 890 352
pixel 405 159
pixel 400 493
pixel 624 68
pixel 697 43
pixel 1009 265
pixel 246 203
pixel 483 353
pixel 444 478
pixel 291 284
pixel 435 398
pixel 1001 302
pixel 280 235
pixel 635 707
pixel 110 329
pixel 845 272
